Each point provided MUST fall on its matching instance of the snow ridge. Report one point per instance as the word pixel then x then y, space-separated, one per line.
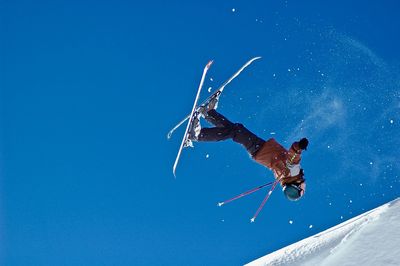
pixel 327 247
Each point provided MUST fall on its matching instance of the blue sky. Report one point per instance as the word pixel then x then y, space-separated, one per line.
pixel 89 90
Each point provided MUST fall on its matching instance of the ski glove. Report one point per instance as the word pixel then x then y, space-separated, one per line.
pixel 303 143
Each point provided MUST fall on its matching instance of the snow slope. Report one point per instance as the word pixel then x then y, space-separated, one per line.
pixel 372 238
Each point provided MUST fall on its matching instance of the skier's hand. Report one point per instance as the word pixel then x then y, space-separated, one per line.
pixel 303 143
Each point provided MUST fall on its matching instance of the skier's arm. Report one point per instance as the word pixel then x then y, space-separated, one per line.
pixel 294 154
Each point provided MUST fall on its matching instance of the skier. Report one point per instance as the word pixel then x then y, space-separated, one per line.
pixel 285 164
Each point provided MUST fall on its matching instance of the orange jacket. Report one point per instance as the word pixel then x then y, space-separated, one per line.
pixel 276 158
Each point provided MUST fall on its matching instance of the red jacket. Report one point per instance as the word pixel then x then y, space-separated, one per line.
pixel 276 158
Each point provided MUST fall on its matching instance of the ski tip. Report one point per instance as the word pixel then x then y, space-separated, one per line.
pixel 252 220
pixel 253 59
pixel 174 172
pixel 220 204
pixel 209 63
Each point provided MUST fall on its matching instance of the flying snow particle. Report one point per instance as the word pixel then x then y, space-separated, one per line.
pixel 233 9
pixel 311 226
pixel 291 222
pixel 350 201
pixel 391 121
pixel 209 89
pixel 341 217
pixel 211 79
pixel 207 156
pixel 371 163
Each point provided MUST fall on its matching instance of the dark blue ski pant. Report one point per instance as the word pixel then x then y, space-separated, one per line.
pixel 225 129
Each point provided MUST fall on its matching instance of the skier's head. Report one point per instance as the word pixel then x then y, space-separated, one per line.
pixel 294 191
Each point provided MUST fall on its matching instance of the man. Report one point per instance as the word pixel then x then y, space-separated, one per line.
pixel 285 164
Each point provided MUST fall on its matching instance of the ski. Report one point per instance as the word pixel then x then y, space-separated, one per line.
pixel 216 93
pixel 190 117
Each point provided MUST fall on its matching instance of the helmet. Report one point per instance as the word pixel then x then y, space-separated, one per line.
pixel 292 192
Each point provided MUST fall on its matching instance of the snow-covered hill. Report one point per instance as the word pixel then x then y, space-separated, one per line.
pixel 372 238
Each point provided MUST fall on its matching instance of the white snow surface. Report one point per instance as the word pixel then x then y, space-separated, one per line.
pixel 372 238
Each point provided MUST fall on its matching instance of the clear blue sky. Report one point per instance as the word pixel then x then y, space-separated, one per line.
pixel 89 90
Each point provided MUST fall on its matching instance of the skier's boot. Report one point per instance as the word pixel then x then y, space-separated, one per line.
pixel 194 130
pixel 211 104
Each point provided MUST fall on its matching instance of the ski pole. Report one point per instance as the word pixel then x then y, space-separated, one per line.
pixel 245 193
pixel 264 201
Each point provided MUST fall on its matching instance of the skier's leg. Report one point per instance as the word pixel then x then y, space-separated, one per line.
pixel 251 142
pixel 216 134
pixel 217 119
pixel 224 128
pixel 237 132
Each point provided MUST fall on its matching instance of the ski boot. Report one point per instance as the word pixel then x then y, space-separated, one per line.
pixel 194 130
pixel 211 104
